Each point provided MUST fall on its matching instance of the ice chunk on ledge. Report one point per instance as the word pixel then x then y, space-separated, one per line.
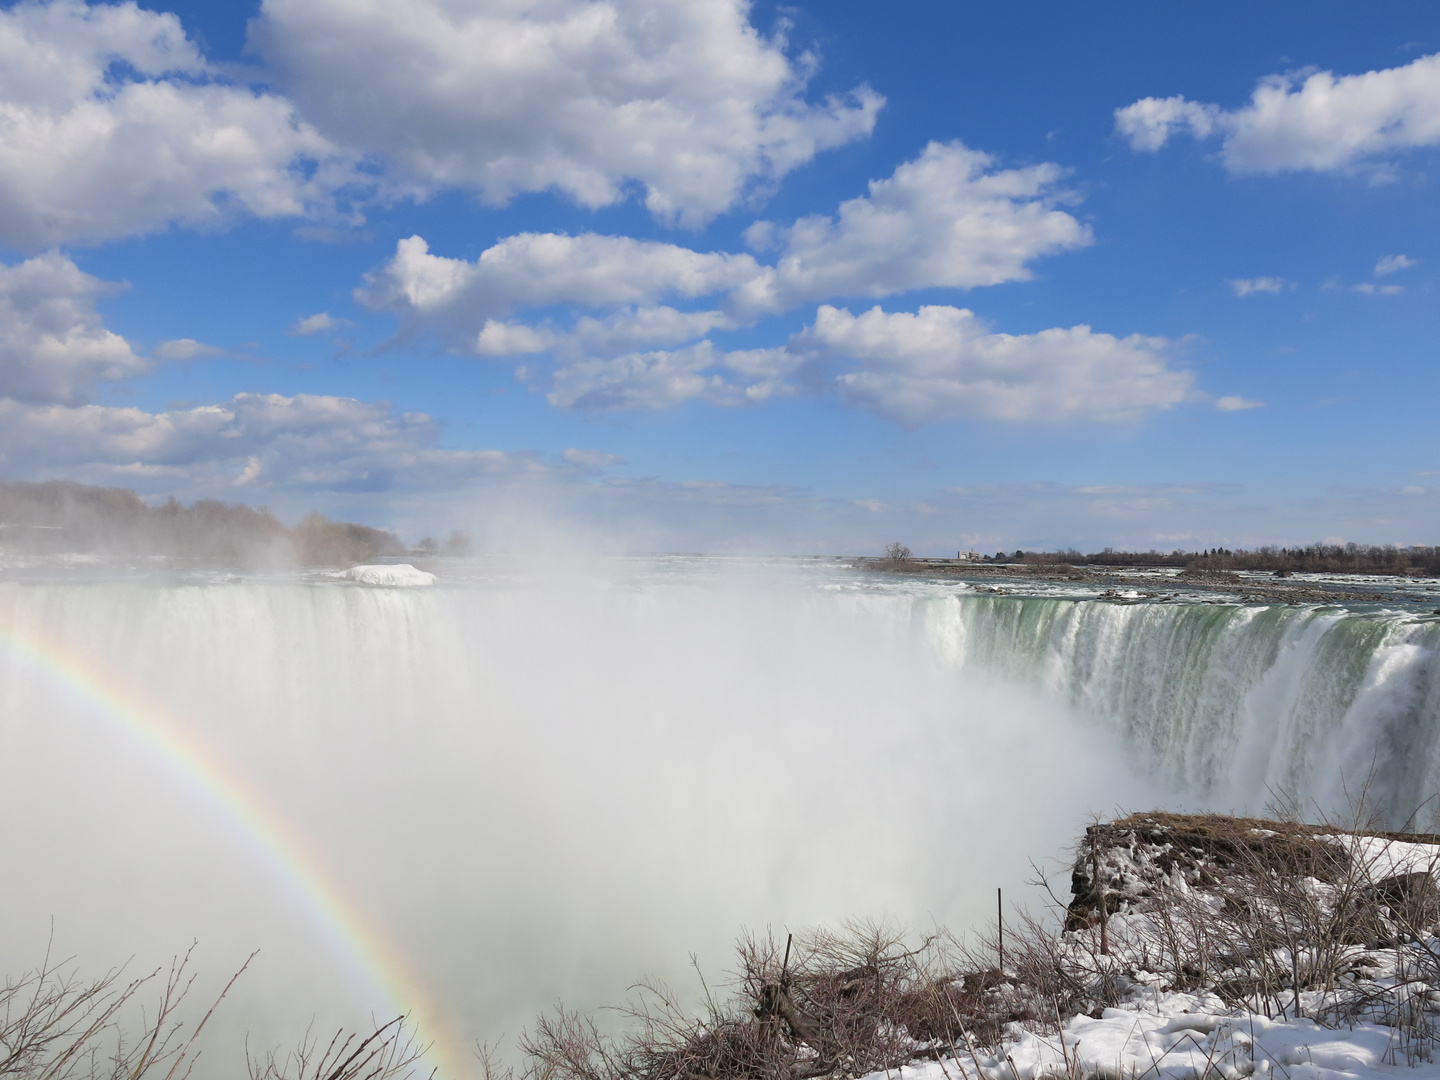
pixel 402 574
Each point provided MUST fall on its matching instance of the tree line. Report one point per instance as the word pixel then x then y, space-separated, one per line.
pixel 63 517
pixel 1313 558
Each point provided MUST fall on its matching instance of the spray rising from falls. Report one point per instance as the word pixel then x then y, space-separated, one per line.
pixel 516 791
pixel 528 786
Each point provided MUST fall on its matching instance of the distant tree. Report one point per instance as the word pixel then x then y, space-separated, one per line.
pixel 322 542
pixel 897 555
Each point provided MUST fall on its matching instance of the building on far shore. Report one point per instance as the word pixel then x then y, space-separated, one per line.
pixel 968 556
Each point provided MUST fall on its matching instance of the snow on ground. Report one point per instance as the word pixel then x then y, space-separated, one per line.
pixel 1170 893
pixel 402 575
pixel 1189 1037
pixel 1384 857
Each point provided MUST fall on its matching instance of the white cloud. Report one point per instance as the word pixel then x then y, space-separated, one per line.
pixel 1306 120
pixel 943 363
pixel 1237 404
pixel 665 378
pixel 510 339
pixel 627 329
pixel 939 364
pixel 653 380
pixel 112 124
pixel 683 96
pixel 186 349
pixel 1388 264
pixel 457 298
pixel 946 219
pixel 319 323
pixel 53 346
pixel 249 474
pixel 1247 286
pixel 591 459
pixel 1369 288
pixel 1150 122
pixel 635 327
pixel 309 441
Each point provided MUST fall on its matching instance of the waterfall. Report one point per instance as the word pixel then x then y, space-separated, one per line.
pixel 542 784
pixel 1231 706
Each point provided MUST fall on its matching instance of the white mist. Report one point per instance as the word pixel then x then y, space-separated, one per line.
pixel 538 787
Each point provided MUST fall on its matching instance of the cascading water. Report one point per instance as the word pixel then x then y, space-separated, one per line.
pixel 1232 706
pixel 541 784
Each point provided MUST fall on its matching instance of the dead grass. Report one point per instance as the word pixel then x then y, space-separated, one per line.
pixel 1276 917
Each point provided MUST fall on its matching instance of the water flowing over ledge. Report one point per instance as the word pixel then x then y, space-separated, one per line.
pixel 1231 705
pixel 530 780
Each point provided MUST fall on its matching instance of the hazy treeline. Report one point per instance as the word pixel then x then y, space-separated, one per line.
pixel 61 517
pixel 1314 558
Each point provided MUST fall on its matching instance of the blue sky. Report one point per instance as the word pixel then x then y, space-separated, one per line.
pixel 706 275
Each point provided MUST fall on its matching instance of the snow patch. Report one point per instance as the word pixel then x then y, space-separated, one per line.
pixel 401 575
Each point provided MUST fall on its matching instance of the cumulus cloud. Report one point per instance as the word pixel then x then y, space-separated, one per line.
pixel 55 351
pixel 949 218
pixel 1237 404
pixel 498 338
pixel 1388 264
pixel 1303 120
pixel 939 364
pixel 460 299
pixel 53 346
pixel 943 363
pixel 315 441
pixel 1249 286
pixel 664 378
pixel 684 97
pixel 112 124
pixel 1369 288
pixel 1150 122
pixel 635 327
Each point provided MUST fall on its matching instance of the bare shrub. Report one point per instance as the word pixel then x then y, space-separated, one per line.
pixel 55 1026
pixel 389 1052
pixel 897 555
pixel 1331 922
pixel 1335 923
pixel 827 1003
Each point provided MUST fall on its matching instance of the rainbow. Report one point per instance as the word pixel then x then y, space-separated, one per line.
pixel 137 718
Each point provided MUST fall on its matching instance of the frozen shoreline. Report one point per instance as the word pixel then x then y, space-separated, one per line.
pixel 1164 583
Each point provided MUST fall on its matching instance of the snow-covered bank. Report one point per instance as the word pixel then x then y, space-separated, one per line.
pixel 1194 947
pixel 1208 946
pixel 1190 1037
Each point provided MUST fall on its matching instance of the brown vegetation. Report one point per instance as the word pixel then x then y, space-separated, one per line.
pixel 1276 917
pixel 821 1004
pixel 56 1026
pixel 60 517
pixel 896 556
pixel 1282 561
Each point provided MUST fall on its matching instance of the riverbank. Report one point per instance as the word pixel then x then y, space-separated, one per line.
pixel 1192 947
pixel 1140 584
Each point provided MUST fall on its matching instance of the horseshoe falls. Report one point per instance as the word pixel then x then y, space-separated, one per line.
pixel 534 782
pixel 1227 705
